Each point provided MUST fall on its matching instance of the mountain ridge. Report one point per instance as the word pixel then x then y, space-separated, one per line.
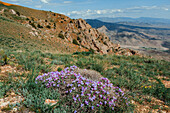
pixel 148 21
pixel 75 32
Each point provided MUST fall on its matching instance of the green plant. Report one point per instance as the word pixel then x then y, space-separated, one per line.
pixel 83 53
pixel 4 59
pixel 39 26
pixel 35 99
pixel 59 69
pixel 61 36
pixel 78 38
pixel 97 67
pixel 17 13
pixel 33 25
pixel 57 62
pixel 48 26
pixel 77 92
pixel 91 50
pixel 75 42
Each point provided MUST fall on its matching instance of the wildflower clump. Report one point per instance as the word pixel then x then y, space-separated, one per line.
pixel 82 94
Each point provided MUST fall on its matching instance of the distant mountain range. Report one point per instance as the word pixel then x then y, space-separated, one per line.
pixel 144 21
pixel 133 35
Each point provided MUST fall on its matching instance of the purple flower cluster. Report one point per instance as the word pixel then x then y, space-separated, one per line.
pixel 84 92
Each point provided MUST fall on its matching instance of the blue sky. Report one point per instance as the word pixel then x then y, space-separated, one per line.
pixel 101 8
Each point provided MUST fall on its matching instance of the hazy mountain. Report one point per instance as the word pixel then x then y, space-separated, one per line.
pixel 142 21
pixel 138 37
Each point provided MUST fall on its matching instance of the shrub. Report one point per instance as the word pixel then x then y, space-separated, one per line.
pixel 18 13
pixel 3 57
pixel 54 25
pixel 71 21
pixel 75 42
pixel 91 50
pixel 33 25
pixel 83 53
pixel 61 36
pixel 82 94
pixel 78 38
pixel 59 69
pixel 39 26
pixel 48 26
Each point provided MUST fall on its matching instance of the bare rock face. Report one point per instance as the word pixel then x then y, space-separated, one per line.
pixel 82 24
pixel 12 11
pixel 92 38
pixel 2 11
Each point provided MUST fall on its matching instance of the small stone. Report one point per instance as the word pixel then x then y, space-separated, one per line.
pixel 132 102
pixel 4 104
pixel 2 100
pixel 12 94
pixel 163 111
pixel 52 102
pixel 14 109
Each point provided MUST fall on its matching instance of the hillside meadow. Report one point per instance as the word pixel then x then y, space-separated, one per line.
pixel 137 81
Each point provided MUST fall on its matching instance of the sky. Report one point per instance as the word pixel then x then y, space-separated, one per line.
pixel 88 9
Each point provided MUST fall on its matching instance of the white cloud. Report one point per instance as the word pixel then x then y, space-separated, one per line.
pixel 67 2
pixel 166 9
pixel 94 12
pixel 98 12
pixel 44 1
pixel 88 11
pixel 117 12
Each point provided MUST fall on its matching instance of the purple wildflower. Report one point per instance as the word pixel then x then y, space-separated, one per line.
pixel 58 85
pixel 74 98
pixel 82 105
pixel 100 96
pixel 101 103
pixel 86 102
pixel 92 107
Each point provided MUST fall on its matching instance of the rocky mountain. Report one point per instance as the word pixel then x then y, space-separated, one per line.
pixel 149 40
pixel 56 28
pixel 126 38
pixel 127 35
